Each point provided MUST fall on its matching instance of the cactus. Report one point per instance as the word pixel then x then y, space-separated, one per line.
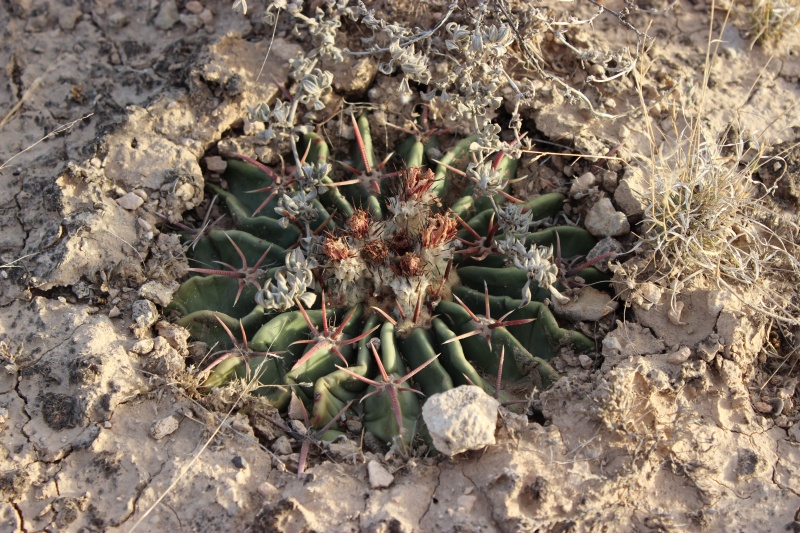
pixel 339 287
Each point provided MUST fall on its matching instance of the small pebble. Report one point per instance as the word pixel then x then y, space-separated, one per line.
pixel 144 313
pixel 114 312
pixel 763 407
pixel 157 292
pixel 215 163
pixel 282 445
pixel 610 181
pixel 207 17
pixel 679 356
pixel 167 15
pixel 379 477
pixel 118 20
pixel 582 186
pixel 783 421
pixel 193 6
pixel 130 201
pixel 143 347
pixel 165 426
pixel 239 462
pixel 585 361
pixel 267 490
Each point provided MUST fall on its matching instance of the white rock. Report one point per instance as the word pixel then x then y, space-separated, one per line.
pixel 165 426
pixel 603 220
pixel 118 20
pixel 144 313
pixel 215 163
pixel 379 477
pixel 282 445
pixel 207 17
pixel 158 292
pixel 267 490
pixel 461 419
pixel 585 361
pixel 143 347
pixel 167 15
pixel 679 356
pixel 632 191
pixel 130 201
pixel 193 6
pixel 251 128
pixel 582 185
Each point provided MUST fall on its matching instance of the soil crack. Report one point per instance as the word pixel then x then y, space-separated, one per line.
pixel 140 488
pixel 433 494
pixel 483 493
pixel 18 511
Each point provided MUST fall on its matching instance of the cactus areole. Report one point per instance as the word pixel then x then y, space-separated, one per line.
pixel 380 288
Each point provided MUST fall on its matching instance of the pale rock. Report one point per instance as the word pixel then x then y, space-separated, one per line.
pixel 192 22
pixel 610 180
pixel 207 17
pixel 344 449
pixel 582 185
pixel 158 292
pixel 603 220
pixel 282 445
pixel 379 477
pixel 164 360
pixel 185 191
pixel 649 294
pixel 167 15
pixel 143 347
pixel 118 20
pixel 215 163
pixel 267 490
pixel 763 407
pixel 130 201
pixel 175 335
pixel 252 127
pixel 114 312
pixel 461 419
pixel 585 361
pixel 709 348
pixel 193 6
pixel 632 191
pixel 589 305
pixel 794 432
pixel 679 356
pixel 163 427
pixel 354 75
pixel 68 18
pixel 144 313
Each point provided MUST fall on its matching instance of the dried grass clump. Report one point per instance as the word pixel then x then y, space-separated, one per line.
pixel 703 218
pixel 700 212
pixel 768 21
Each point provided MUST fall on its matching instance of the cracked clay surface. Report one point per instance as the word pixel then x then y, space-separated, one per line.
pixel 98 431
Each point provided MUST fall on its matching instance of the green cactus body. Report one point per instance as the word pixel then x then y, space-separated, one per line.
pixel 433 299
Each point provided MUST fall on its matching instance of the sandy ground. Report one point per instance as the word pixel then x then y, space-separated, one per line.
pixel 658 432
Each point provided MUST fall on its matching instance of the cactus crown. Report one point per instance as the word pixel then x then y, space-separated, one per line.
pixel 383 286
